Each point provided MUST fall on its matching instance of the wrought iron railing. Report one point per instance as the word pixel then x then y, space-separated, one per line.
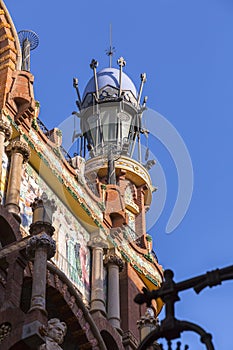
pixel 45 130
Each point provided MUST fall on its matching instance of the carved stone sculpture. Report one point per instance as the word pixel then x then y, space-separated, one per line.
pixel 55 334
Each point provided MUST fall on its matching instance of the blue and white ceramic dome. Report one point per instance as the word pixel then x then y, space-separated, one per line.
pixel 110 76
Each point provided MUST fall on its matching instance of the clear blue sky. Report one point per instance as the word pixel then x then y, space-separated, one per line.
pixel 186 49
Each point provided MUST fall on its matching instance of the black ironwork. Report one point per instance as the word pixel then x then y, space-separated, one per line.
pixel 45 130
pixel 170 327
pixel 66 155
pixel 169 344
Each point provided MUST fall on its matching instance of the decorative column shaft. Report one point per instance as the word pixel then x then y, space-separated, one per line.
pixel 115 264
pixel 19 153
pixel 5 134
pixel 97 245
pixel 40 248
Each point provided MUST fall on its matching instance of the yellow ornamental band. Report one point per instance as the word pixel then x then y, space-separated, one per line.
pixel 6 36
pixel 8 47
pixel 8 65
pixel 5 25
pixel 4 58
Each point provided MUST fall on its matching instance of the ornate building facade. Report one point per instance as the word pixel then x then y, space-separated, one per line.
pixel 74 250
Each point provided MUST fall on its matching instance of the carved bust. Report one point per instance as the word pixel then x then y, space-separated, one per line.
pixel 56 332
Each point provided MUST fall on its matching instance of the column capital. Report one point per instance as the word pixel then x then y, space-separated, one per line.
pixel 39 227
pixel 98 240
pixel 41 241
pixel 5 127
pixel 114 260
pixel 18 146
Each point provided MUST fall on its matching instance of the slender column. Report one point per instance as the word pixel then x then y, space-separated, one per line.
pixel 115 264
pixel 40 248
pixel 5 135
pixel 19 153
pixel 97 245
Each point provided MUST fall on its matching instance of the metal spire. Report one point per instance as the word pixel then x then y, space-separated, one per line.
pixel 110 52
pixel 29 41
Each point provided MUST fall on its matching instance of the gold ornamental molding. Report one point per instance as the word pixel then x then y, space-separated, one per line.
pixel 10 57
pixel 8 47
pixel 2 12
pixel 8 65
pixel 135 172
pixel 6 36
pixel 5 25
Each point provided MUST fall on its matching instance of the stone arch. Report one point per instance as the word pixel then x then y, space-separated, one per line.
pixel 9 228
pixel 64 302
pixel 109 340
pixel 110 335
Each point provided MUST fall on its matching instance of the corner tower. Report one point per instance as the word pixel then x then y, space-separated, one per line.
pixel 111 123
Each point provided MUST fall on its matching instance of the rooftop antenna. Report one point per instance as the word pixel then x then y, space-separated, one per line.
pixel 110 52
pixel 29 40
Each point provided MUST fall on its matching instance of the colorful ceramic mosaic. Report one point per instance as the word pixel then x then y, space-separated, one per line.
pixel 4 171
pixel 57 165
pixel 73 255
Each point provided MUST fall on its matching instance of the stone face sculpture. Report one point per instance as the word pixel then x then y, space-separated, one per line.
pixel 56 332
